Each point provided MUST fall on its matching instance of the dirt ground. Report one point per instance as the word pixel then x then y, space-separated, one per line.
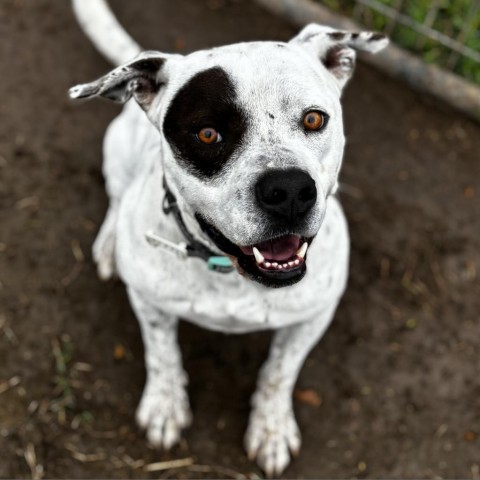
pixel 392 390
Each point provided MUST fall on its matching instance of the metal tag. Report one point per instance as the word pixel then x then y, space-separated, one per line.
pixel 179 249
pixel 220 264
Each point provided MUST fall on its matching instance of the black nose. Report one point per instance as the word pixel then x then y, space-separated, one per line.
pixel 287 194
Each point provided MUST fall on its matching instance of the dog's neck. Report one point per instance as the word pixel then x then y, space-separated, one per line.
pixel 192 247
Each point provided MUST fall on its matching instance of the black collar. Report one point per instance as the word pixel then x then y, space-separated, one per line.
pixel 194 248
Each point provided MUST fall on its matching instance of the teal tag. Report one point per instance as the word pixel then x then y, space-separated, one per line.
pixel 220 264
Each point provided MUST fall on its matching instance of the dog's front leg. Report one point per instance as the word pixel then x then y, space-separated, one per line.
pixel 272 430
pixel 164 409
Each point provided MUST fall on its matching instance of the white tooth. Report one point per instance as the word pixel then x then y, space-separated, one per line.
pixel 268 264
pixel 290 264
pixel 302 250
pixel 258 256
pixel 279 267
pixel 285 265
pixel 296 261
pixel 275 264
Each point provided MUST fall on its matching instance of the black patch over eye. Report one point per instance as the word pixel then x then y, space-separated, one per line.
pixel 209 98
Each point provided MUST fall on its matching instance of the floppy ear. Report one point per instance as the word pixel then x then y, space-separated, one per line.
pixel 141 78
pixel 336 49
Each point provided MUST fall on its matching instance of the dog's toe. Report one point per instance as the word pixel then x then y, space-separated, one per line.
pixel 164 432
pixel 164 418
pixel 272 440
pixel 273 457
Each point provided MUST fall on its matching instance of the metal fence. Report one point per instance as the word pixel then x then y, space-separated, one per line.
pixel 443 32
pixel 414 25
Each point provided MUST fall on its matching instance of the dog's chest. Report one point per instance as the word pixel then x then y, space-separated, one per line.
pixel 224 302
pixel 229 302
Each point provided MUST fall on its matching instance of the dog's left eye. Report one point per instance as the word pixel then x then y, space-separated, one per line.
pixel 209 135
pixel 313 120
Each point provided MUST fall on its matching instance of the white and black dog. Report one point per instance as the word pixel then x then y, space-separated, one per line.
pixel 221 177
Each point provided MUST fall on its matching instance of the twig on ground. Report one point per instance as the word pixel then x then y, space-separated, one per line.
pixel 77 251
pixel 133 464
pixel 31 458
pixel 8 384
pixel 27 202
pixel 169 464
pixel 7 331
pixel 72 276
pixel 85 457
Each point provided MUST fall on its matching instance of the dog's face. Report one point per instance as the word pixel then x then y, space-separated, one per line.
pixel 252 140
pixel 255 142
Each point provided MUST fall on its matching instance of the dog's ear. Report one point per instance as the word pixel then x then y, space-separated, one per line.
pixel 336 49
pixel 141 78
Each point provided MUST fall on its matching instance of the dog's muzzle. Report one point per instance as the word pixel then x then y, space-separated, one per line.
pixel 285 197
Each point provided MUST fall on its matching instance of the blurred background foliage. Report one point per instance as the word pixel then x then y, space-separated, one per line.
pixel 459 20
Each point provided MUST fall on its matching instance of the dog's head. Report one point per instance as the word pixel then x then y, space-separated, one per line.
pixel 252 139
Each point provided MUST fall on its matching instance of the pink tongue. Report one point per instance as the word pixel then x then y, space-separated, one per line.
pixel 281 248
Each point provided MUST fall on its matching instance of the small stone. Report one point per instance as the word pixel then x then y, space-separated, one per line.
pixel 469 436
pixel 469 192
pixel 119 352
pixel 309 397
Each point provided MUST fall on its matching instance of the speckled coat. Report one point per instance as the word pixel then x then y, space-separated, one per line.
pixel 273 83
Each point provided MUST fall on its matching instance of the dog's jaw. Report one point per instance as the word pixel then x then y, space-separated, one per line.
pixel 275 272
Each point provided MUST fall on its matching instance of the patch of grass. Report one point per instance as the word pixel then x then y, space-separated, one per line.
pixel 455 19
pixel 67 379
pixel 63 353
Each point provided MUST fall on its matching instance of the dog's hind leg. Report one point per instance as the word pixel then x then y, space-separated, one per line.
pixel 120 161
pixel 272 432
pixel 164 409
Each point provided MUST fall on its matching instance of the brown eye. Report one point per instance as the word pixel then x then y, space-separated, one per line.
pixel 209 135
pixel 313 121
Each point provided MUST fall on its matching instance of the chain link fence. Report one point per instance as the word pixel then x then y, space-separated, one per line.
pixel 443 32
pixel 435 48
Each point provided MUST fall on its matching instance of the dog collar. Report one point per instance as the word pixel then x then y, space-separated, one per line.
pixel 193 248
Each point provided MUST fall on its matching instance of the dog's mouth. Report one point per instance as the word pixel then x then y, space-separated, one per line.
pixel 275 262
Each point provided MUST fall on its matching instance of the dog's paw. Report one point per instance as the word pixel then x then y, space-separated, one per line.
pixel 164 414
pixel 271 439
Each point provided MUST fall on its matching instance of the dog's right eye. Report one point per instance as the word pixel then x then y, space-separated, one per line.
pixel 209 136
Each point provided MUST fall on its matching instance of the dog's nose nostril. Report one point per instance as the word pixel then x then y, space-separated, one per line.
pixel 288 194
pixel 275 197
pixel 308 193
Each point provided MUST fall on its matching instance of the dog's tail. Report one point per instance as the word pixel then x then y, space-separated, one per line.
pixel 100 25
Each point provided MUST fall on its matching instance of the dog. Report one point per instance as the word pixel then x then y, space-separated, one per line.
pixel 221 174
